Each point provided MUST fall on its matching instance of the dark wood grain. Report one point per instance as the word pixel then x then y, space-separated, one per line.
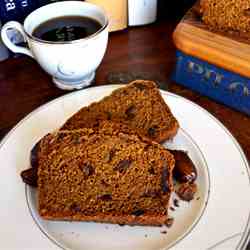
pixel 144 50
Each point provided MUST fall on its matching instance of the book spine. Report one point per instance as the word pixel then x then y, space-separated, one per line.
pixel 16 10
pixel 4 53
pixel 222 85
pixel 26 7
pixel 9 10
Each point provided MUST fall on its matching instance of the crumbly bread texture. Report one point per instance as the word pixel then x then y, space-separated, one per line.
pixel 226 15
pixel 138 105
pixel 107 173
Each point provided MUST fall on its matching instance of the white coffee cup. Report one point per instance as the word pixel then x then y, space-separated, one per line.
pixel 72 64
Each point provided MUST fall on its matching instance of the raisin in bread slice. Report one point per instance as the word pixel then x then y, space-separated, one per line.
pixel 138 105
pixel 104 174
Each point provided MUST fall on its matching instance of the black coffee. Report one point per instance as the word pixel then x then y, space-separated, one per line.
pixel 66 28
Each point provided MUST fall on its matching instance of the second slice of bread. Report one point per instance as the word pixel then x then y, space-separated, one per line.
pixel 139 105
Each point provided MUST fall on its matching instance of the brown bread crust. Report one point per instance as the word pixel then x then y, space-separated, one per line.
pixel 107 173
pixel 143 220
pixel 138 105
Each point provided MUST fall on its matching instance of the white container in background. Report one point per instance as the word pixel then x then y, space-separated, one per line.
pixel 141 12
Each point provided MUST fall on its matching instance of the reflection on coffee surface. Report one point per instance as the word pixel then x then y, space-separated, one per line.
pixel 66 28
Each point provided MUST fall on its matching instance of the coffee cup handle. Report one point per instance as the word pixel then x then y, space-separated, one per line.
pixel 7 41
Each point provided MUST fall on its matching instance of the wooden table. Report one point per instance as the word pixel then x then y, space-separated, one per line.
pixel 147 51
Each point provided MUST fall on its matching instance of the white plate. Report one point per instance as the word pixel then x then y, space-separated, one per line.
pixel 218 218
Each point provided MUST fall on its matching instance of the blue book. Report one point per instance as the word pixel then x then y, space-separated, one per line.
pixel 222 85
pixel 9 11
pixel 27 6
pixel 16 9
pixel 4 53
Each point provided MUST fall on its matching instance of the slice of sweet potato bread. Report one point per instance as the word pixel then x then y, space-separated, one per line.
pixel 138 105
pixel 107 173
